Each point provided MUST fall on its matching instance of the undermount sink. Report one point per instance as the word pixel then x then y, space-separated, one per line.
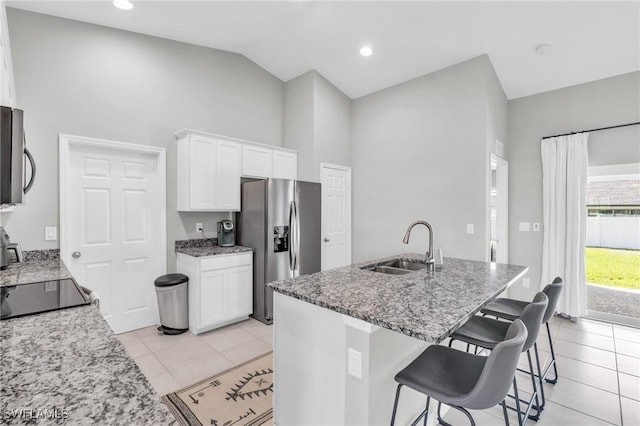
pixel 407 264
pixel 397 267
pixel 388 270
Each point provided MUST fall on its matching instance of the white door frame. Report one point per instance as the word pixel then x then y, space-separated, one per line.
pixel 502 207
pixel 67 141
pixel 344 169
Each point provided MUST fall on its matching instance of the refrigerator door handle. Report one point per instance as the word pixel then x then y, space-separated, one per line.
pixel 291 245
pixel 297 235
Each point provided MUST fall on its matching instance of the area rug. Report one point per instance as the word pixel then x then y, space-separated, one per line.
pixel 241 396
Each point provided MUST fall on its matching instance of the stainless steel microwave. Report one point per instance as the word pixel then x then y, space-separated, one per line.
pixel 12 158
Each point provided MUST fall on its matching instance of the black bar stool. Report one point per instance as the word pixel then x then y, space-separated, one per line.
pixel 463 380
pixel 487 333
pixel 511 309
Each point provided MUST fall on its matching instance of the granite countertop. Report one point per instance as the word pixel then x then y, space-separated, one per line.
pixel 427 305
pixel 69 361
pixel 38 266
pixel 206 247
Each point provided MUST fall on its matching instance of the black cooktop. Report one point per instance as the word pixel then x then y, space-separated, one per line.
pixel 34 298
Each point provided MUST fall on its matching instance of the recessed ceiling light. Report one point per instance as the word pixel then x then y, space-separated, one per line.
pixel 543 48
pixel 366 51
pixel 123 4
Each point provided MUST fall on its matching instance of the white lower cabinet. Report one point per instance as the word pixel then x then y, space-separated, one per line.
pixel 220 289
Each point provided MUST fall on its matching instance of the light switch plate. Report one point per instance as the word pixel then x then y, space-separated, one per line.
pixel 470 228
pixel 354 363
pixel 525 282
pixel 536 226
pixel 50 233
pixel 524 226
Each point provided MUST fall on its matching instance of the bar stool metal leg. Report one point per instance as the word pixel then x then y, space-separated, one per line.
pixel 522 418
pixel 553 360
pixel 532 374
pixel 540 376
pixel 466 413
pixel 395 405
pixel 504 412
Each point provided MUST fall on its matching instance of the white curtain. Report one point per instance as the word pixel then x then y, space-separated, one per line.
pixel 564 182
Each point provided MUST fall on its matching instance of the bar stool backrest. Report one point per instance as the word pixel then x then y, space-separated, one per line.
pixel 532 315
pixel 497 374
pixel 552 291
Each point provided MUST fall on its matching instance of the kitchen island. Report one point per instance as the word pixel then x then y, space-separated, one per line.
pixel 340 336
pixel 66 366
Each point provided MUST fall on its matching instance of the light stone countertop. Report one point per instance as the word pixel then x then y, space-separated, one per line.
pixel 69 360
pixel 33 272
pixel 201 247
pixel 423 304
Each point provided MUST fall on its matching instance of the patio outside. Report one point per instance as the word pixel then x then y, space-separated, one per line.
pixel 612 255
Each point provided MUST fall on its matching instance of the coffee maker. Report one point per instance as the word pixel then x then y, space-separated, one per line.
pixel 5 246
pixel 226 234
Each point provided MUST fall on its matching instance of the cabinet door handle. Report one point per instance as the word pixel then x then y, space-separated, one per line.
pixel 76 254
pixel 326 240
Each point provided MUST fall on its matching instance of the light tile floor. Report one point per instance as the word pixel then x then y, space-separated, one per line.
pixel 598 364
pixel 599 383
pixel 173 362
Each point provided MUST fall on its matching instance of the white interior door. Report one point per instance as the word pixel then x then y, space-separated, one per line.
pixel 499 199
pixel 112 228
pixel 336 216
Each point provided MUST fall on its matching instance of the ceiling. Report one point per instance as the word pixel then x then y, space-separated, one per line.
pixel 589 40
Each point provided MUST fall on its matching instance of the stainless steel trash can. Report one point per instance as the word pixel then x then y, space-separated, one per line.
pixel 173 306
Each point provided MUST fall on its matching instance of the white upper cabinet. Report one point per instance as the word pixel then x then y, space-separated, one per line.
pixel 257 161
pixel 7 86
pixel 228 171
pixel 208 174
pixel 210 168
pixel 285 165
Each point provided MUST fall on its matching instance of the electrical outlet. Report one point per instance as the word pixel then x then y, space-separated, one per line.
pixel 470 228
pixel 536 226
pixel 524 226
pixel 199 226
pixel 50 233
pixel 525 282
pixel 354 363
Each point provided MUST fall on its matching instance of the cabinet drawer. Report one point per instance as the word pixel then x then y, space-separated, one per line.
pixel 226 261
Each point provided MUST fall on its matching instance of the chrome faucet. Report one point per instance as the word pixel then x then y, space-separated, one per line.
pixel 429 256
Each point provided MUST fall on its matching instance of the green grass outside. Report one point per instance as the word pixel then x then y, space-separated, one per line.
pixel 613 267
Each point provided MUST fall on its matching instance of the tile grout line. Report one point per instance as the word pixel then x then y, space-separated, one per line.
pixel 618 379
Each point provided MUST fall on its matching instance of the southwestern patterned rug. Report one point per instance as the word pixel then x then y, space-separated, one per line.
pixel 241 396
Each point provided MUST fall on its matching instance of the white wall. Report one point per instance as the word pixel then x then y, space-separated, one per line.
pixel 420 151
pixel 600 103
pixel 88 80
pixel 613 232
pixel 317 123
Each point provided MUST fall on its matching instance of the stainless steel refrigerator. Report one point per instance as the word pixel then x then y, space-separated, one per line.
pixel 280 220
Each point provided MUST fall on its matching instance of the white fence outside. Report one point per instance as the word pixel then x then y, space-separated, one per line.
pixel 613 232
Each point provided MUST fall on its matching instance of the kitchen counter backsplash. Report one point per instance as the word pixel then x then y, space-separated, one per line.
pixel 206 247
pixel 39 255
pixel 196 243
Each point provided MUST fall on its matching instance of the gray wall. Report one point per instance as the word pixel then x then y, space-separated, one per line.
pixel 332 124
pixel 317 123
pixel 298 122
pixel 601 103
pixel 420 151
pixel 614 146
pixel 87 80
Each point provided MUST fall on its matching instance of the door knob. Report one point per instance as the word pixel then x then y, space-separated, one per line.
pixel 76 254
pixel 326 240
